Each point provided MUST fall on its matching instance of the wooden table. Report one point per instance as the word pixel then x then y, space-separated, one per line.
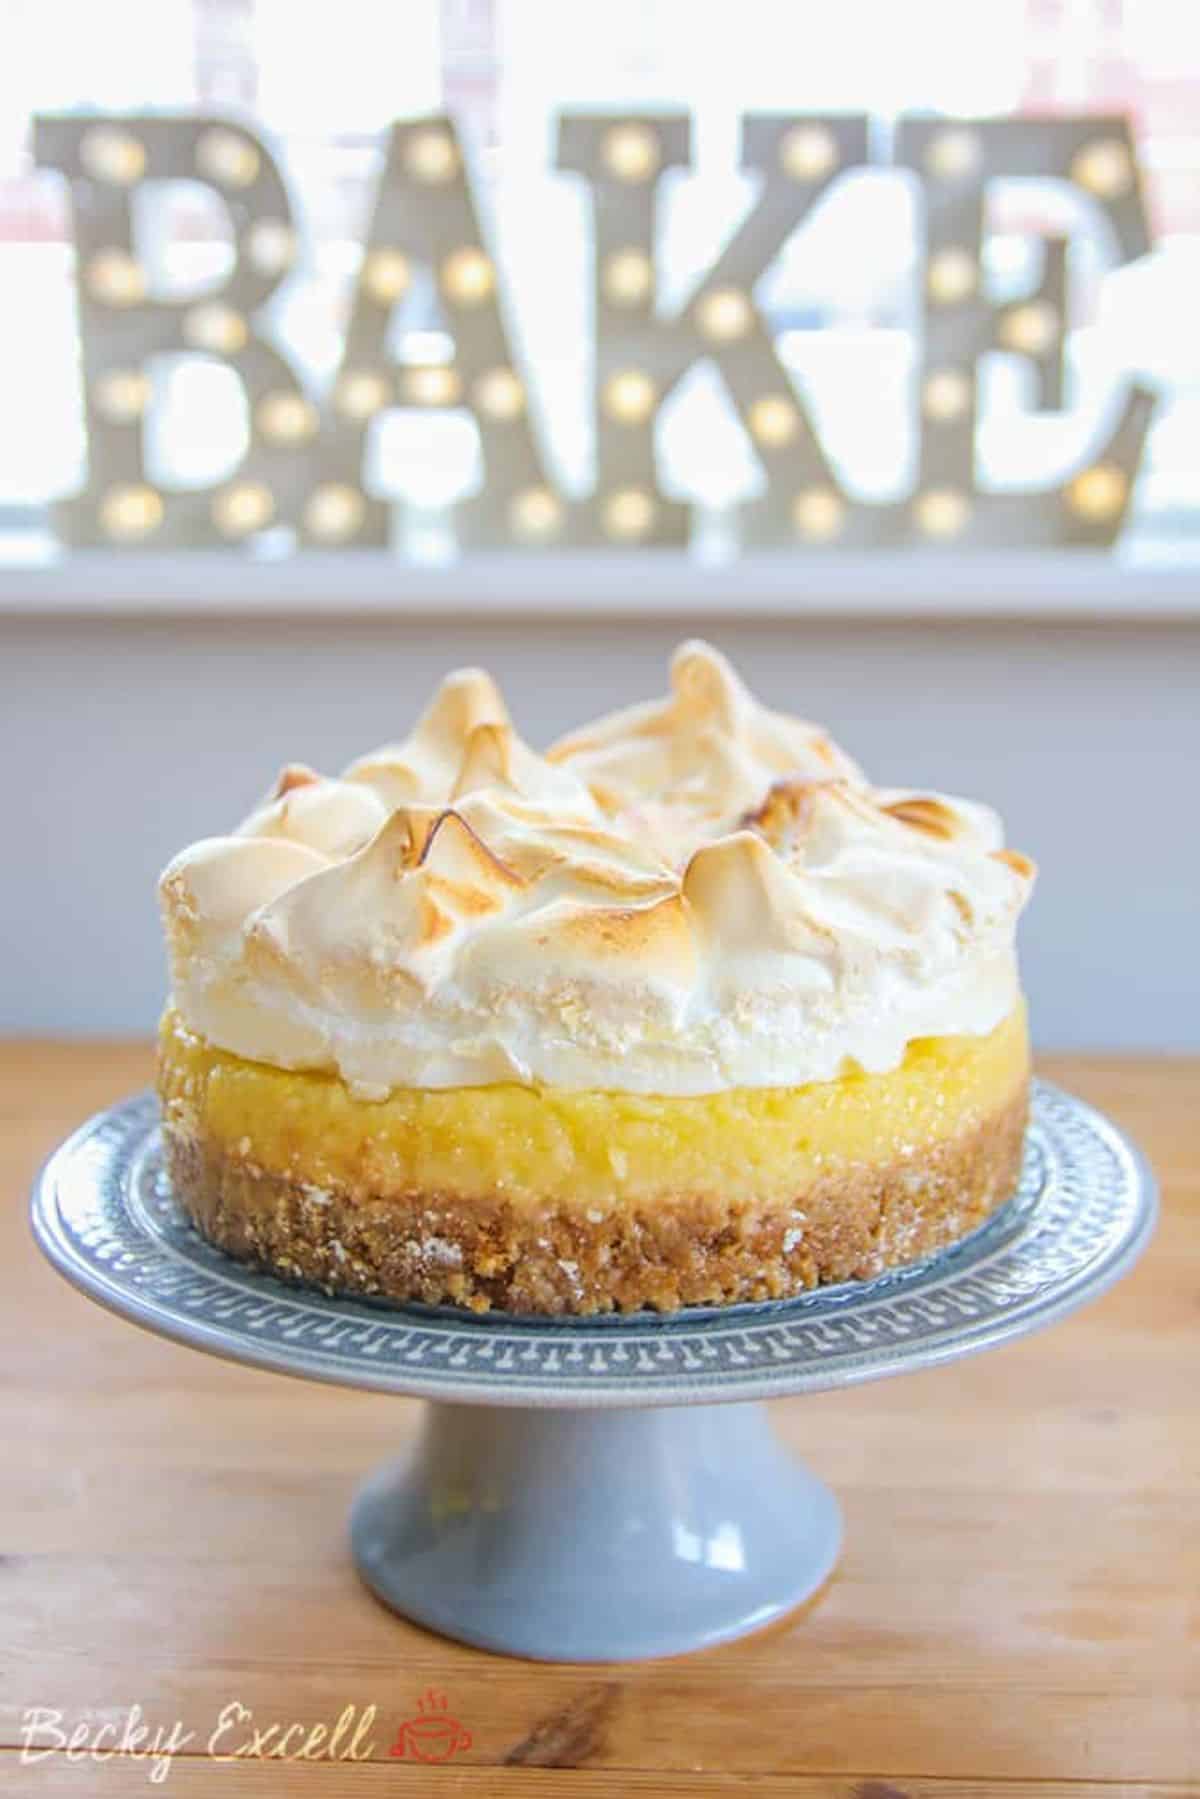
pixel 1017 1609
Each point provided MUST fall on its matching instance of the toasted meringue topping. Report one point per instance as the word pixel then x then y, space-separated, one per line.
pixel 689 895
pixel 691 765
pixel 427 765
pixel 335 817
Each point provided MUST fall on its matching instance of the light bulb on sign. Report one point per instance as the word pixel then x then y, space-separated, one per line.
pixel 122 395
pixel 130 512
pixel 113 155
pixel 807 152
pixel 627 277
pixel 115 278
pixel 286 418
pixel 1098 493
pixel 244 508
pixel 227 158
pixel 818 513
pixel 629 514
pixel 536 514
pixel 499 394
pixel 432 386
pixel 724 314
pixel 431 156
pixel 271 246
pixel 952 277
pixel 953 153
pixel 629 397
pixel 945 395
pixel 1031 329
pixel 941 512
pixel 335 512
pixel 468 276
pixel 216 328
pixel 631 152
pixel 386 275
pixel 360 393
pixel 774 421
pixel 1104 168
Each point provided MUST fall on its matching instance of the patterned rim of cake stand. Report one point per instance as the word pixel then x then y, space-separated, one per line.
pixel 104 1214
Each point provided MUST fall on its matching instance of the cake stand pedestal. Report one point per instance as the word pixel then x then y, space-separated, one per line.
pixel 595 1536
pixel 584 1489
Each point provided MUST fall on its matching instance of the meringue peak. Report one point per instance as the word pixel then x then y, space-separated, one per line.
pixel 495 758
pixel 690 766
pixel 427 763
pixel 335 817
pixel 706 686
pixel 465 699
pixel 458 858
pixel 746 897
pixel 291 776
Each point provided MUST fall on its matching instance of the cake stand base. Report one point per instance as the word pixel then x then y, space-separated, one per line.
pixel 595 1535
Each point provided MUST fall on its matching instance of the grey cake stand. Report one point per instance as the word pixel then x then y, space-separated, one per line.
pixel 582 1490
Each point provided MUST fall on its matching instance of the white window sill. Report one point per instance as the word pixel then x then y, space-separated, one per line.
pixel 1015 584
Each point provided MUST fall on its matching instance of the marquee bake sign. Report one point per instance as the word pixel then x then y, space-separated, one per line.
pixel 304 465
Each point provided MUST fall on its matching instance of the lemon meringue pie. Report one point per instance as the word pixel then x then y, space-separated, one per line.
pixel 684 1012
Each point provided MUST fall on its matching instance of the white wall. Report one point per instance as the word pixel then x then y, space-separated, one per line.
pixel 121 741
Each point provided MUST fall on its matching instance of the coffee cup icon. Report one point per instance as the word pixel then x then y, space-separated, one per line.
pixel 433 1735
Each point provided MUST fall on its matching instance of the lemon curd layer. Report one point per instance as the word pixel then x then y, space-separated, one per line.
pixel 543 1145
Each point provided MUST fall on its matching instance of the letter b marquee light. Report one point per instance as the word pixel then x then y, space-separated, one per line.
pixel 303 469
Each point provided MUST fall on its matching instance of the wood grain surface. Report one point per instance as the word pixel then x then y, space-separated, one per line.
pixel 1017 1610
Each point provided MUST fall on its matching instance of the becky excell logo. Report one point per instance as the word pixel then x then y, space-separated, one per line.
pixel 432 1735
